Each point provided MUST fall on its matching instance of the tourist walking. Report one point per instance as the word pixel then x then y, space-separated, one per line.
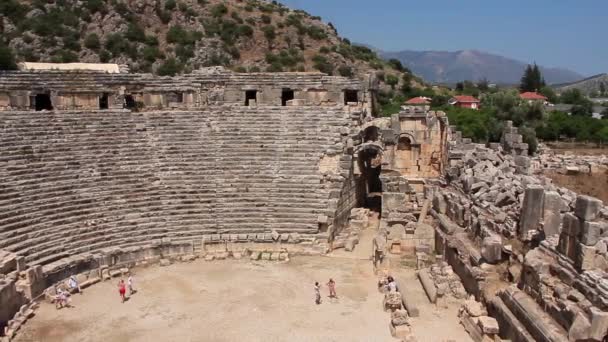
pixel 331 284
pixel 61 299
pixel 122 289
pixel 130 285
pixel 317 293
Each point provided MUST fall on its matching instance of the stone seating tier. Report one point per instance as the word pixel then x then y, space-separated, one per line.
pixel 75 182
pixel 92 81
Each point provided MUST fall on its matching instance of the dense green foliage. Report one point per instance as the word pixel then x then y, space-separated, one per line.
pixel 7 60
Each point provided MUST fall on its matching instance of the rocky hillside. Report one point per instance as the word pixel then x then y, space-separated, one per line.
pixel 177 36
pixel 595 85
pixel 456 66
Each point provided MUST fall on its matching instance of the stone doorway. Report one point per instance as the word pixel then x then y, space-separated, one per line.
pixel 287 95
pixel 103 101
pixel 130 102
pixel 350 96
pixel 43 102
pixel 369 187
pixel 251 97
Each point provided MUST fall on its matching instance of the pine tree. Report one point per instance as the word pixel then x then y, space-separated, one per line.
pixel 532 80
pixel 526 79
pixel 602 89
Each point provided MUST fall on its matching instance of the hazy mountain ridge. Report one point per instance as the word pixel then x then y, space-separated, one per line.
pixel 455 66
pixel 588 85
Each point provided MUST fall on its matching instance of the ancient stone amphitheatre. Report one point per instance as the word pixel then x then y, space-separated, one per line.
pixel 228 195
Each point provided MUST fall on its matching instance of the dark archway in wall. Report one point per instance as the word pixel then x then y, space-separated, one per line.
pixel 130 102
pixel 43 102
pixel 287 95
pixel 350 96
pixel 251 96
pixel 371 133
pixel 103 101
pixel 369 186
pixel 405 144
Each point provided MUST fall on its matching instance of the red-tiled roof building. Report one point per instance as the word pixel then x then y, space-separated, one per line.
pixel 531 96
pixel 418 101
pixel 465 101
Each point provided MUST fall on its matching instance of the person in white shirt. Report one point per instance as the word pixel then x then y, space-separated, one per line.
pixel 317 293
pixel 73 284
pixel 130 285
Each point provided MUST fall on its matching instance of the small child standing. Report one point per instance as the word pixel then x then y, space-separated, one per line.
pixel 122 290
pixel 317 293
pixel 130 285
pixel 331 284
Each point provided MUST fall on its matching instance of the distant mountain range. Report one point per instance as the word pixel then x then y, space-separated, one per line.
pixel 588 85
pixel 454 66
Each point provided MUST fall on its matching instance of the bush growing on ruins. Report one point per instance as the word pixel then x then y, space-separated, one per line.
pixel 189 12
pixel 7 58
pixel 14 10
pixel 115 44
pixel 266 19
pixel 219 10
pixel 184 52
pixel 71 41
pixel 316 33
pixel 323 65
pixel 170 5
pixel 324 50
pixel 92 42
pixel 236 17
pixel 151 53
pixel 104 56
pixel 135 33
pixel 392 81
pixel 245 31
pixel 170 67
pixel 64 56
pixel 345 71
pixel 95 6
pixel 396 64
pixel 269 33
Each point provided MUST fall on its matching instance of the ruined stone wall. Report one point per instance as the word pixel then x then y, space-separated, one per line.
pixel 494 212
pixel 210 86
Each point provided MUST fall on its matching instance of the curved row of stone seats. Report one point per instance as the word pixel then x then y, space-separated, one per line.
pixel 78 182
pixel 89 81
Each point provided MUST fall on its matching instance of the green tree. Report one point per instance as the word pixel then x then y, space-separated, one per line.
pixel 345 70
pixel 7 59
pixel 171 67
pixel 549 93
pixel 572 96
pixel 392 81
pixel 582 109
pixel 92 42
pixel 602 89
pixel 269 33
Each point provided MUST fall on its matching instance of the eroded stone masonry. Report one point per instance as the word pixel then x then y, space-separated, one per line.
pixel 101 171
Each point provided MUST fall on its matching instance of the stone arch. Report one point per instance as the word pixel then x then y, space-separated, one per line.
pixel 371 133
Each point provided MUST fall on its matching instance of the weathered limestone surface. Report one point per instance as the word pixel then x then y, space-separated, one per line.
pixel 531 211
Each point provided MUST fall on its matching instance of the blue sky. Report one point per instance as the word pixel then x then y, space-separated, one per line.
pixel 555 33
